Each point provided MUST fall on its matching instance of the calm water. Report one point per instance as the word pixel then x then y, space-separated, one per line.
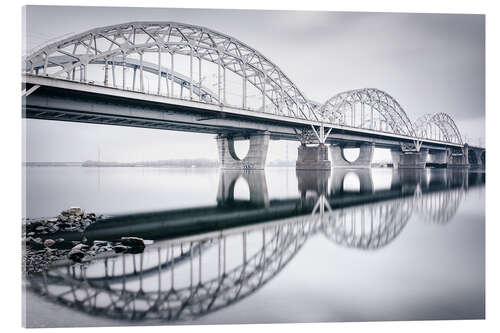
pixel 265 247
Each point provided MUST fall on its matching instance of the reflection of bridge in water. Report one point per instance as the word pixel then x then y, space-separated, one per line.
pixel 211 257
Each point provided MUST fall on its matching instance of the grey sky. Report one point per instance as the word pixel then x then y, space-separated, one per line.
pixel 428 62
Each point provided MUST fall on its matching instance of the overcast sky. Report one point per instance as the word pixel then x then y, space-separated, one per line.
pixel 428 62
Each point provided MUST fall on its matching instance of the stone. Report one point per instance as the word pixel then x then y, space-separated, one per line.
pixel 120 248
pixel 136 244
pixel 49 242
pixel 76 255
pixel 75 211
pixel 40 228
pixel 132 241
pixel 62 218
pixel 54 228
pixel 36 243
pixel 52 220
pixel 99 243
pixel 80 247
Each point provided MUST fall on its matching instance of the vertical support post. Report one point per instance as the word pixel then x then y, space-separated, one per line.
pixel 124 68
pixel 352 115
pixel 191 74
pixel 264 93
pixel 371 118
pixel 224 85
pixel 244 84
pixel 218 79
pixel 362 115
pixel 199 80
pixel 172 74
pixel 159 70
pixel 133 77
pixel 112 73
pixel 141 72
pixel 46 64
pixel 106 72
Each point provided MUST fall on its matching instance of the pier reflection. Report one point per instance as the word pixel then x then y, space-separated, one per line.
pixel 207 258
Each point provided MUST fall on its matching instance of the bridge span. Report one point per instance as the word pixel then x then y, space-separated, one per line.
pixel 207 82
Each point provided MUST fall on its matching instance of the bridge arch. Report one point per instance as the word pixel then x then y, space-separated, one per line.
pixel 367 108
pixel 438 126
pixel 149 46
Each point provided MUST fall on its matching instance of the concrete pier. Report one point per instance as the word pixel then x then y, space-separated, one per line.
pixel 438 157
pixel 409 160
pixel 477 158
pixel 312 158
pixel 255 159
pixel 459 158
pixel 364 159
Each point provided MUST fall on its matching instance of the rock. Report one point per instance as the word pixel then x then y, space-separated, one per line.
pixel 59 240
pixel 99 243
pixel 76 255
pixel 132 241
pixel 75 211
pixel 54 228
pixel 40 228
pixel 36 243
pixel 52 220
pixel 80 247
pixel 120 248
pixel 49 242
pixel 135 244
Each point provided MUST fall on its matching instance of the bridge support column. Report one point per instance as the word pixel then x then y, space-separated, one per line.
pixel 396 157
pixel 438 158
pixel 477 158
pixel 459 158
pixel 409 160
pixel 255 159
pixel 364 159
pixel 312 158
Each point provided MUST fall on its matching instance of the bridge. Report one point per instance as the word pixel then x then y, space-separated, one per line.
pixel 188 273
pixel 175 76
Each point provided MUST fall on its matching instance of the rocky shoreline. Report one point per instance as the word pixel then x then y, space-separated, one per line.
pixel 44 240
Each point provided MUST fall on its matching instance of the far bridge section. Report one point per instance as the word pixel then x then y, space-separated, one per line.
pixel 181 77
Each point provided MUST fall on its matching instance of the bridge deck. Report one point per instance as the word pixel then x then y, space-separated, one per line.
pixel 65 100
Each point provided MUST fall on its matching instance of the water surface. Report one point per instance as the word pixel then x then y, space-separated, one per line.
pixel 265 247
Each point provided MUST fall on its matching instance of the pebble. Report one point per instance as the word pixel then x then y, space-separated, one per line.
pixel 49 242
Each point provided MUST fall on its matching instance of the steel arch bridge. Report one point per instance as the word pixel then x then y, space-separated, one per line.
pixel 189 62
pixel 185 278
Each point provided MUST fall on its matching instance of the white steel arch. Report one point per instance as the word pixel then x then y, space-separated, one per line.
pixel 368 108
pixel 438 126
pixel 127 45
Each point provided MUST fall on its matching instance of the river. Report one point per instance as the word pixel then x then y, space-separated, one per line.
pixel 265 247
